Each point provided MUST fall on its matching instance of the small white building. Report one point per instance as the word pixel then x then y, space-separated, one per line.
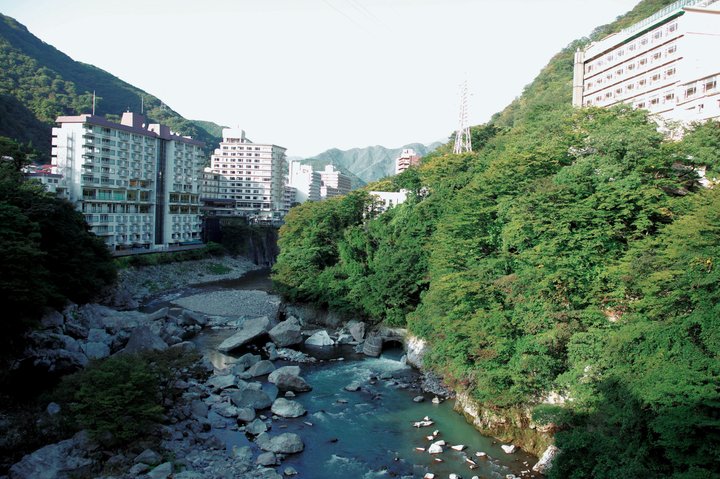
pixel 407 158
pixel 667 63
pixel 384 200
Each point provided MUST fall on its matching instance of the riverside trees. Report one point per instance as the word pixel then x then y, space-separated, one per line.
pixel 575 252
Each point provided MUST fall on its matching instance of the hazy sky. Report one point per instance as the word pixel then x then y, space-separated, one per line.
pixel 315 74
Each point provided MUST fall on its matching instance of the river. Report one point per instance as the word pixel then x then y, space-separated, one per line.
pixel 368 433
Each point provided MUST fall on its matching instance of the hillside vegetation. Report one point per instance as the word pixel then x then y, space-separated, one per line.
pixel 38 83
pixel 573 252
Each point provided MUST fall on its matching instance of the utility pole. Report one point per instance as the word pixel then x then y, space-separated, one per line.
pixel 463 143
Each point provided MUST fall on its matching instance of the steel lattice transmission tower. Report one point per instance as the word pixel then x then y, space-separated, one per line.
pixel 463 143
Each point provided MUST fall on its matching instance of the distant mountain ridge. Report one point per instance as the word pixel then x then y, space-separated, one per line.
pixel 365 165
pixel 38 83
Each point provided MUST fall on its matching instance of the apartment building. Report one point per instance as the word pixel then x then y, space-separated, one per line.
pixel 305 181
pixel 253 175
pixel 407 158
pixel 384 200
pixel 136 183
pixel 667 63
pixel 333 183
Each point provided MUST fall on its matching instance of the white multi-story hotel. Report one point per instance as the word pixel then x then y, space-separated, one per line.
pixel 334 183
pixel 384 200
pixel 668 64
pixel 253 175
pixel 407 158
pixel 136 184
pixel 305 181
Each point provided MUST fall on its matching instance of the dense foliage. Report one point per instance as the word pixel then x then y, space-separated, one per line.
pixel 574 252
pixel 39 83
pixel 47 254
pixel 121 398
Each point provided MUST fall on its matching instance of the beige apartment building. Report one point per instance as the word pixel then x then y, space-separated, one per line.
pixel 136 183
pixel 407 158
pixel 252 175
pixel 333 183
pixel 667 63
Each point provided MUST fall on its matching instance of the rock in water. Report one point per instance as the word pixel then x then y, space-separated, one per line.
pixel 251 329
pixel 286 408
pixel 357 330
pixel 546 459
pixel 509 448
pixel 287 333
pixel 253 398
pixel 287 378
pixel 373 346
pixel 286 443
pixel 321 338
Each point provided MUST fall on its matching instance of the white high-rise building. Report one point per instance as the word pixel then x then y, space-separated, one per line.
pixel 305 181
pixel 407 158
pixel 334 183
pixel 667 63
pixel 254 175
pixel 136 183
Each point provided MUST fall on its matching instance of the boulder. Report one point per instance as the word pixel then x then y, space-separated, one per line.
pixel 256 427
pixel 161 313
pixel 224 381
pixel 225 410
pixel 163 471
pixel 261 368
pixel 52 319
pixel 96 350
pixel 286 443
pixel 436 447
pixel 254 398
pixel 267 459
pixel 419 399
pixel 352 387
pixel 245 414
pixel 245 361
pixel 373 346
pixel 287 333
pixel 143 339
pixel 198 408
pixel 357 330
pixel 149 457
pixel 509 448
pixel 320 339
pixel 290 471
pixel 61 459
pixel 287 378
pixel 251 329
pixel 545 462
pixel 287 408
pixel 190 317
pixel 242 454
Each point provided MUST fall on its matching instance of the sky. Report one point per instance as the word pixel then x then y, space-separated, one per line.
pixel 310 75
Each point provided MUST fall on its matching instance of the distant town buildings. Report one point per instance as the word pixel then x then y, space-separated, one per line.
pixel 667 63
pixel 136 183
pixel 305 181
pixel 334 183
pixel 407 158
pixel 252 175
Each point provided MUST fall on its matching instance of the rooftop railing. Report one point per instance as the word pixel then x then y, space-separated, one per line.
pixel 665 11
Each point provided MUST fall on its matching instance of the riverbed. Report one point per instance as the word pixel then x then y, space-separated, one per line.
pixel 368 433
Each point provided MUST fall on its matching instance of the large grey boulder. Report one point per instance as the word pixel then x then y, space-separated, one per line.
pixel 267 459
pixel 244 362
pixel 254 398
pixel 373 346
pixel 143 339
pixel 287 378
pixel 222 382
pixel 251 329
pixel 286 443
pixel 261 368
pixel 287 333
pixel 163 471
pixel 96 350
pixel 357 330
pixel 59 460
pixel 546 460
pixel 149 457
pixel 320 339
pixel 285 408
pixel 256 427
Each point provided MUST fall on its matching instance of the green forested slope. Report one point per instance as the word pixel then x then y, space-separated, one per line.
pixel 38 83
pixel 573 252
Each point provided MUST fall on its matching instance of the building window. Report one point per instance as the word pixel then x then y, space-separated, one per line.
pixel 672 27
pixel 671 49
pixel 631 66
pixel 669 97
pixel 657 34
pixel 656 56
pixel 670 72
pixel 643 61
pixel 710 85
pixel 631 47
pixel 654 101
pixel 690 91
pixel 640 105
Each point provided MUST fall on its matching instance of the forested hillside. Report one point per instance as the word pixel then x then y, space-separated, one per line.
pixel 573 252
pixel 38 83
